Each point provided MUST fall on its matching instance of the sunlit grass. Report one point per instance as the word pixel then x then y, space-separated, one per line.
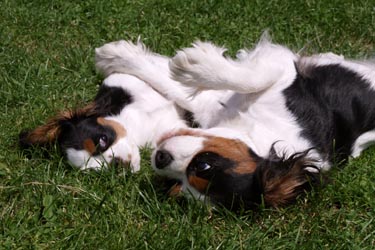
pixel 47 64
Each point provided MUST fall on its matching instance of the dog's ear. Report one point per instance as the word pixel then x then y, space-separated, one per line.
pixel 48 133
pixel 282 179
pixel 45 134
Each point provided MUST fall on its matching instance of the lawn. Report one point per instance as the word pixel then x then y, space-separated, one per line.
pixel 47 64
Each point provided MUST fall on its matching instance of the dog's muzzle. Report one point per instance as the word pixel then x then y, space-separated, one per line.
pixel 162 159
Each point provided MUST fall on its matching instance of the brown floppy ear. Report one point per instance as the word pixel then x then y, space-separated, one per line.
pixel 282 179
pixel 48 133
pixel 45 134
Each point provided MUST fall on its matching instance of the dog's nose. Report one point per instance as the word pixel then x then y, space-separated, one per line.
pixel 162 159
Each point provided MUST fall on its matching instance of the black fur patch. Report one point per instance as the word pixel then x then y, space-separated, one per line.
pixel 225 188
pixel 111 100
pixel 74 133
pixel 267 184
pixel 108 101
pixel 334 106
pixel 190 120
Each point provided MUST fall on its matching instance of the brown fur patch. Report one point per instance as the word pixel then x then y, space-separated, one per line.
pixel 89 146
pixel 175 190
pixel 228 148
pixel 49 132
pixel 44 134
pixel 117 127
pixel 234 150
pixel 198 183
pixel 284 189
pixel 180 132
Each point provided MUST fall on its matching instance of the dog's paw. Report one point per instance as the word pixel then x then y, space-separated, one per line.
pixel 135 163
pixel 193 66
pixel 331 56
pixel 120 57
pixel 242 54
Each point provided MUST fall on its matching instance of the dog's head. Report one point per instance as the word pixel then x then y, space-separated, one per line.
pixel 93 136
pixel 227 172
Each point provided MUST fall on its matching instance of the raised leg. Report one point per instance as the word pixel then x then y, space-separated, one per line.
pixel 203 66
pixel 136 59
pixel 364 141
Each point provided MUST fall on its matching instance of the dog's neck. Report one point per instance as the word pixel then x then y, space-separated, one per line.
pixel 145 128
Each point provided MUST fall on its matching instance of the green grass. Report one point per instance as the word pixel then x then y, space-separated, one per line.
pixel 47 64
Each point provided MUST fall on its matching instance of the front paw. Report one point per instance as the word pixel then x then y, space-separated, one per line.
pixel 193 66
pixel 120 57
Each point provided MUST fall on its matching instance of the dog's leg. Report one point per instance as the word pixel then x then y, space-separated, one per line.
pixel 203 66
pixel 362 142
pixel 136 59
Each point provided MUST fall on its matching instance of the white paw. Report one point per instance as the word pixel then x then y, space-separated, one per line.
pixel 120 57
pixel 135 162
pixel 193 66
pixel 332 56
pixel 242 54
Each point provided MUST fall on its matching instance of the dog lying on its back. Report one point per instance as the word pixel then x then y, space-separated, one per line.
pixel 126 114
pixel 271 120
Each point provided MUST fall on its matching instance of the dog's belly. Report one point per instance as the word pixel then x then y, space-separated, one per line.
pixel 268 123
pixel 282 133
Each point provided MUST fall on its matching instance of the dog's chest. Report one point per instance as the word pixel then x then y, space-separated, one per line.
pixel 266 120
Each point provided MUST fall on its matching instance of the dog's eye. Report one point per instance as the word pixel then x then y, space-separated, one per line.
pixel 103 142
pixel 203 166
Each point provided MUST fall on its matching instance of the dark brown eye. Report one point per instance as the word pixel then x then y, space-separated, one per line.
pixel 103 142
pixel 202 166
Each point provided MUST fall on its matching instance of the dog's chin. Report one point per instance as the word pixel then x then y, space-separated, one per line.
pixel 120 155
pixel 167 171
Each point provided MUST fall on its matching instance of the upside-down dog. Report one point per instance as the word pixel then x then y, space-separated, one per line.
pixel 271 120
pixel 125 115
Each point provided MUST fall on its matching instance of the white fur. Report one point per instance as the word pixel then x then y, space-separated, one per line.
pixel 124 149
pixel 183 149
pixel 363 142
pixel 234 98
pixel 148 117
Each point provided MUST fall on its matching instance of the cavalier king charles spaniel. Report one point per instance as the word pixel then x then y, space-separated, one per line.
pixel 125 115
pixel 271 121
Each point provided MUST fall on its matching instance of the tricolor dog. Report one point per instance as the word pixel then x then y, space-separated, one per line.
pixel 271 120
pixel 125 115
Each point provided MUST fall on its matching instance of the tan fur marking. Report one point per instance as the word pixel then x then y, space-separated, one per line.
pixel 175 190
pixel 49 132
pixel 119 129
pixel 180 132
pixel 89 146
pixel 281 193
pixel 198 183
pixel 281 190
pixel 44 134
pixel 234 150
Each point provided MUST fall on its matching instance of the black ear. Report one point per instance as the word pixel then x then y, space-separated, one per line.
pixel 282 179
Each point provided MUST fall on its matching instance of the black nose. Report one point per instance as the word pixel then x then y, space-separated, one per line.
pixel 162 159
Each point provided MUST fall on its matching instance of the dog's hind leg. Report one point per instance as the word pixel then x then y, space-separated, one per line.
pixel 364 141
pixel 135 59
pixel 203 66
